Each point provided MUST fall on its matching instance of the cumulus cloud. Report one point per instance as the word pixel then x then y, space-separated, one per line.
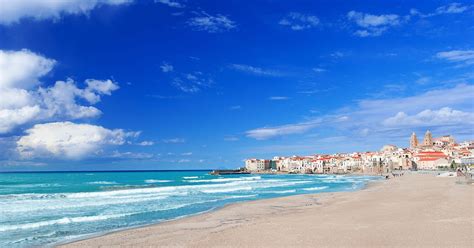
pixel 68 140
pixel 211 24
pixel 22 69
pixel 298 21
pixel 18 106
pixel 372 25
pixel 255 70
pixel 14 11
pixel 22 101
pixel 428 117
pixel 9 119
pixel 457 56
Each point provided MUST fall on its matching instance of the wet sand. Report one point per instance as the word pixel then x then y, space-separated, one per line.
pixel 414 210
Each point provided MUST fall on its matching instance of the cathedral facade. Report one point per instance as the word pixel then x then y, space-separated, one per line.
pixel 429 141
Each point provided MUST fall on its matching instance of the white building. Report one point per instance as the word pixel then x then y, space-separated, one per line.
pixel 257 164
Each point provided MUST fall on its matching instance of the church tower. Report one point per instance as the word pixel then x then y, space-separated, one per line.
pixel 413 140
pixel 428 140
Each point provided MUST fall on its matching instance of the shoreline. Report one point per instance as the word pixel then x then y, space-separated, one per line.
pixel 105 233
pixel 414 210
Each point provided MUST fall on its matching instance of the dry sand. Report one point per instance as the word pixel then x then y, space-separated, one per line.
pixel 410 211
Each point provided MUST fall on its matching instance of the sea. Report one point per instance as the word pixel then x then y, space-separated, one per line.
pixel 47 208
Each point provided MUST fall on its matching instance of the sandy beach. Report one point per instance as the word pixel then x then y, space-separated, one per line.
pixel 415 210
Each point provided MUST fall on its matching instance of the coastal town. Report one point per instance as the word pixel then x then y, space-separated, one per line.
pixel 433 153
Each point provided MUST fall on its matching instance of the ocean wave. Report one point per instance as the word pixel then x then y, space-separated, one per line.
pixel 280 191
pixel 124 187
pixel 123 191
pixel 220 180
pixel 62 221
pixel 193 177
pixel 102 182
pixel 157 181
pixel 33 185
pixel 225 190
pixel 316 188
pixel 56 205
pixel 240 196
pixel 39 236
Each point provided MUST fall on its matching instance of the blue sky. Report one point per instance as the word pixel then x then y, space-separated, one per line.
pixel 107 85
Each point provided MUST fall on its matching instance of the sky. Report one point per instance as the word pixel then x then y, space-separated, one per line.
pixel 176 84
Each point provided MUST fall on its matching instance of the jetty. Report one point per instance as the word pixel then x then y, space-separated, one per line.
pixel 228 172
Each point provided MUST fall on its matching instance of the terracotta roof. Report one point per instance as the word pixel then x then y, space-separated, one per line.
pixel 429 159
pixel 431 153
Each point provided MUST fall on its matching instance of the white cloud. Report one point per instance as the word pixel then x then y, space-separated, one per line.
pixel 12 98
pixel 212 24
pixel 423 80
pixel 21 102
pixel 95 88
pixel 457 56
pixel 377 121
pixel 68 140
pixel 60 100
pixel 15 163
pixel 368 20
pixel 186 154
pixel 319 70
pixel 131 155
pixel 184 161
pixel 452 8
pixel 146 143
pixel 14 11
pixel 271 132
pixel 337 54
pixel 174 140
pixel 165 67
pixel 298 21
pixel 170 3
pixel 372 25
pixel 278 98
pixel 255 70
pixel 428 117
pixel 22 69
pixel 192 82
pixel 9 119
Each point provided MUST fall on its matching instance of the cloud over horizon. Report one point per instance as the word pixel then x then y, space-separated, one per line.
pixel 391 116
pixel 67 140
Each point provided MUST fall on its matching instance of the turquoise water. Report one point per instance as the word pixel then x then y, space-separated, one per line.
pixel 45 208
